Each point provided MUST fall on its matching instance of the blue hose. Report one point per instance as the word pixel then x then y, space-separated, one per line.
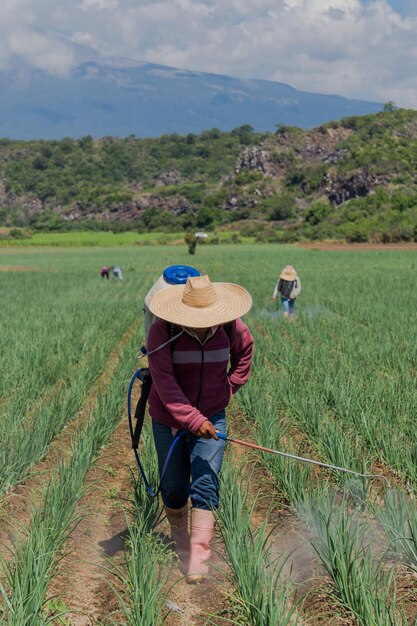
pixel 149 489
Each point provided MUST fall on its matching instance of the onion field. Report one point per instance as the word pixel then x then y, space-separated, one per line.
pixel 80 540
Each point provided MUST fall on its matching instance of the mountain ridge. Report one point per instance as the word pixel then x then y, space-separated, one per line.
pixel 119 97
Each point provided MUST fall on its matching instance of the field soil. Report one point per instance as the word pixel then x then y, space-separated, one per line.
pixel 17 506
pixel 17 268
pixel 350 247
pixel 337 356
pixel 81 581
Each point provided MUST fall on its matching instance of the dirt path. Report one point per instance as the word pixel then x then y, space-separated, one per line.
pixel 100 534
pixel 192 604
pixel 17 268
pixel 351 247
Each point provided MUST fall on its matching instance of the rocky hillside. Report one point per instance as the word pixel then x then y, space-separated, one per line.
pixel 353 179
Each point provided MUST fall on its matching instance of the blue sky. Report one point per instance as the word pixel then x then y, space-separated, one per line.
pixel 404 7
pixel 357 48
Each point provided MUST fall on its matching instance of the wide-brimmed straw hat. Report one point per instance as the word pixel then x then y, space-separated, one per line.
pixel 200 303
pixel 288 273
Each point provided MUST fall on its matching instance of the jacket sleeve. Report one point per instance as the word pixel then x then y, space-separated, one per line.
pixel 241 352
pixel 166 386
pixel 275 294
pixel 296 289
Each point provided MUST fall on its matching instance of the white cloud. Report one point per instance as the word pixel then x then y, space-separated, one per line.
pixel 329 46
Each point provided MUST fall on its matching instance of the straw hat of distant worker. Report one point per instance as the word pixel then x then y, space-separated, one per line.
pixel 288 273
pixel 200 303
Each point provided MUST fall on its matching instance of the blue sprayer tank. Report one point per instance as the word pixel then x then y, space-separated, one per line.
pixel 172 275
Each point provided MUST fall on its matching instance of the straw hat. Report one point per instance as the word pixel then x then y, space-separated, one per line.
pixel 288 273
pixel 200 303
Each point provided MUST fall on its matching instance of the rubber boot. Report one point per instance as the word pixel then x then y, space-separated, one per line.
pixel 202 527
pixel 178 520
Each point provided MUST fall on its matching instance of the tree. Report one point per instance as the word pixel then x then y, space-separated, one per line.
pixel 389 106
pixel 244 133
pixel 282 207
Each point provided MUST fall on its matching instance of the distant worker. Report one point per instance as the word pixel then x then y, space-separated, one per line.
pixel 117 272
pixel 289 286
pixel 105 272
pixel 191 241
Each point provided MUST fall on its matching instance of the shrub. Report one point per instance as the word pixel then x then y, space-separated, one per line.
pixel 317 212
pixel 248 176
pixel 20 233
pixel 281 207
pixel 357 235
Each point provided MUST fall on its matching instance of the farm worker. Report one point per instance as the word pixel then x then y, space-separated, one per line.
pixel 117 272
pixel 192 386
pixel 105 272
pixel 289 286
pixel 191 241
pixel 172 275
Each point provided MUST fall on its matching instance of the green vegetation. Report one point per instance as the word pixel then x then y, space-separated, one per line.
pixel 354 180
pixel 90 179
pixel 265 593
pixel 109 239
pixel 345 548
pixel 29 575
pixel 94 238
pixel 143 577
pixel 337 385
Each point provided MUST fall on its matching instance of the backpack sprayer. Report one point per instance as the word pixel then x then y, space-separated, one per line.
pixel 175 275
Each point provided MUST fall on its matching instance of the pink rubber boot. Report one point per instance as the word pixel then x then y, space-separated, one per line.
pixel 202 527
pixel 178 520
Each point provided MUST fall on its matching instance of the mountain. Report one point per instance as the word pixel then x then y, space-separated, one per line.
pixel 354 179
pixel 119 97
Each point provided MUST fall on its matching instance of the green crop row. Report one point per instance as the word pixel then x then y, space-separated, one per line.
pixel 143 576
pixel 29 573
pixel 338 386
pixel 60 323
pixel 266 596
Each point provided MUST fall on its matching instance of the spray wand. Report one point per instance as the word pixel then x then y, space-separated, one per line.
pixel 301 458
pixel 135 432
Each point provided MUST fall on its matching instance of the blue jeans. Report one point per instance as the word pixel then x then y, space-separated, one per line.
pixel 193 470
pixel 288 305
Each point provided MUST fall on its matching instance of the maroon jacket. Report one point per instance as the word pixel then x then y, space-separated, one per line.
pixel 191 381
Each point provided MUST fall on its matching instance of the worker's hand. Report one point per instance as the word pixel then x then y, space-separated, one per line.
pixel 207 431
pixel 273 298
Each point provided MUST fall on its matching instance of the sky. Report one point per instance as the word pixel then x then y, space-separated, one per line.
pixel 356 48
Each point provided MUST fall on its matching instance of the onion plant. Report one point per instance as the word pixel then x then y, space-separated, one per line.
pixel 60 357
pixel 142 579
pixel 266 594
pixel 29 573
pixel 29 440
pixel 398 517
pixel 344 546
